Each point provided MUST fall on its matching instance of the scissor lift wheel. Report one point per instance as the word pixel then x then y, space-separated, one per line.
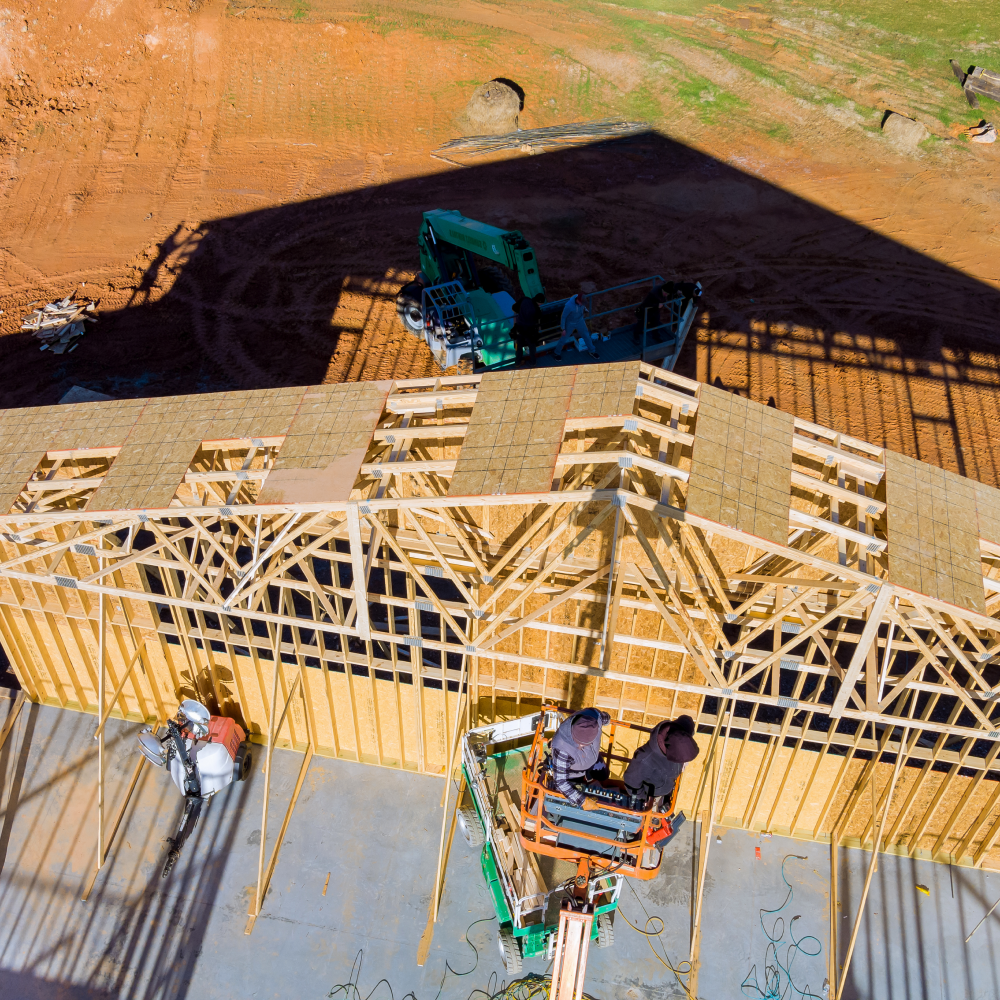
pixel 605 931
pixel 510 953
pixel 468 823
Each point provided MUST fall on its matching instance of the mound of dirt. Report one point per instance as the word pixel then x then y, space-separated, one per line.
pixel 492 110
pixel 904 133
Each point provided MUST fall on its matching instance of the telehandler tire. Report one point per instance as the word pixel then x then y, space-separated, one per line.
pixel 409 308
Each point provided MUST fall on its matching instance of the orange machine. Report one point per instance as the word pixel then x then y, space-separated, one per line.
pixel 625 835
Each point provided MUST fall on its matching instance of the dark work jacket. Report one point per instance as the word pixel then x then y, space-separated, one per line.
pixel 651 766
pixel 529 315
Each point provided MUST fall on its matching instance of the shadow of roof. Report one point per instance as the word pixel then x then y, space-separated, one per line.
pixel 291 295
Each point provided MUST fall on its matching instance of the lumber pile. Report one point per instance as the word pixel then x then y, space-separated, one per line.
pixel 59 325
pixel 977 82
pixel 537 140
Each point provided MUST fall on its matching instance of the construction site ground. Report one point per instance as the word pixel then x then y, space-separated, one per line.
pixel 374 831
pixel 240 186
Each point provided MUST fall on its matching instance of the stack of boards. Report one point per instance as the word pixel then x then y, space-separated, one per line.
pixel 59 324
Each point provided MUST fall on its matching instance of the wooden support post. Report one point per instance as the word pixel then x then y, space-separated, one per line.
pixel 456 728
pixel 447 784
pixel 358 573
pixel 831 958
pixel 707 821
pixel 264 875
pixel 271 734
pixel 101 640
pixel 695 960
pixel 444 849
pixel 876 844
pixel 981 922
pixel 116 822
pixel 8 723
pixel 126 674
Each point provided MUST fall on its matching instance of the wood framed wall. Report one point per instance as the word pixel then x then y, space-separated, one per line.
pixel 691 552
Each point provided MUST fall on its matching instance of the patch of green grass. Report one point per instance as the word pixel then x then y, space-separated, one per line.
pixel 778 131
pixel 759 69
pixel 643 104
pixel 301 11
pixel 399 20
pixel 688 8
pixel 711 103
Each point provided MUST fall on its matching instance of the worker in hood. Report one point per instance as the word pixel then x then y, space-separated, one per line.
pixel 657 764
pixel 575 751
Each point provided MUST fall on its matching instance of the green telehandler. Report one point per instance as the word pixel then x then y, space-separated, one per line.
pixel 473 274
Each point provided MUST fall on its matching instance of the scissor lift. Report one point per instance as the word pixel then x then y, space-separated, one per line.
pixel 571 856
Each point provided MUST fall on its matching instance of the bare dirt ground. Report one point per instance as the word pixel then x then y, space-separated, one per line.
pixel 240 186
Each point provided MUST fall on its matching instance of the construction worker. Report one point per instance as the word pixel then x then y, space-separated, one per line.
pixel 656 765
pixel 573 325
pixel 575 750
pixel 524 332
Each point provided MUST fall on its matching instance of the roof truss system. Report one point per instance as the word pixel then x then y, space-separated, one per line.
pixel 613 534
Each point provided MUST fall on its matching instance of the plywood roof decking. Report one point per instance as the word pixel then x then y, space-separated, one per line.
pixel 26 435
pixel 933 532
pixel 741 465
pixel 326 443
pixel 156 453
pixel 604 390
pixel 988 511
pixel 95 425
pixel 324 426
pixel 515 432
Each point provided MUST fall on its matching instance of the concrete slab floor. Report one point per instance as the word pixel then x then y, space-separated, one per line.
pixel 375 831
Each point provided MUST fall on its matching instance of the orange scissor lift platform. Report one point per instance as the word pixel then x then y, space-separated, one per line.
pixel 626 834
pixel 539 851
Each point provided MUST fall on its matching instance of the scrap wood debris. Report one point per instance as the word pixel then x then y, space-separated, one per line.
pixel 59 324
pixel 534 140
pixel 977 82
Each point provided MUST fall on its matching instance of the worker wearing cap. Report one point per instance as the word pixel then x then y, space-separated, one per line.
pixel 657 764
pixel 575 751
pixel 573 325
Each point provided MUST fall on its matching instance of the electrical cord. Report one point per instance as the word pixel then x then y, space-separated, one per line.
pixel 447 964
pixel 778 982
pixel 664 959
pixel 530 987
pixel 350 991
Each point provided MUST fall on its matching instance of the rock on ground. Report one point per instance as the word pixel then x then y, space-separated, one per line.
pixel 902 132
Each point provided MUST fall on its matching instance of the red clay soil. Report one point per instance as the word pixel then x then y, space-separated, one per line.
pixel 240 188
